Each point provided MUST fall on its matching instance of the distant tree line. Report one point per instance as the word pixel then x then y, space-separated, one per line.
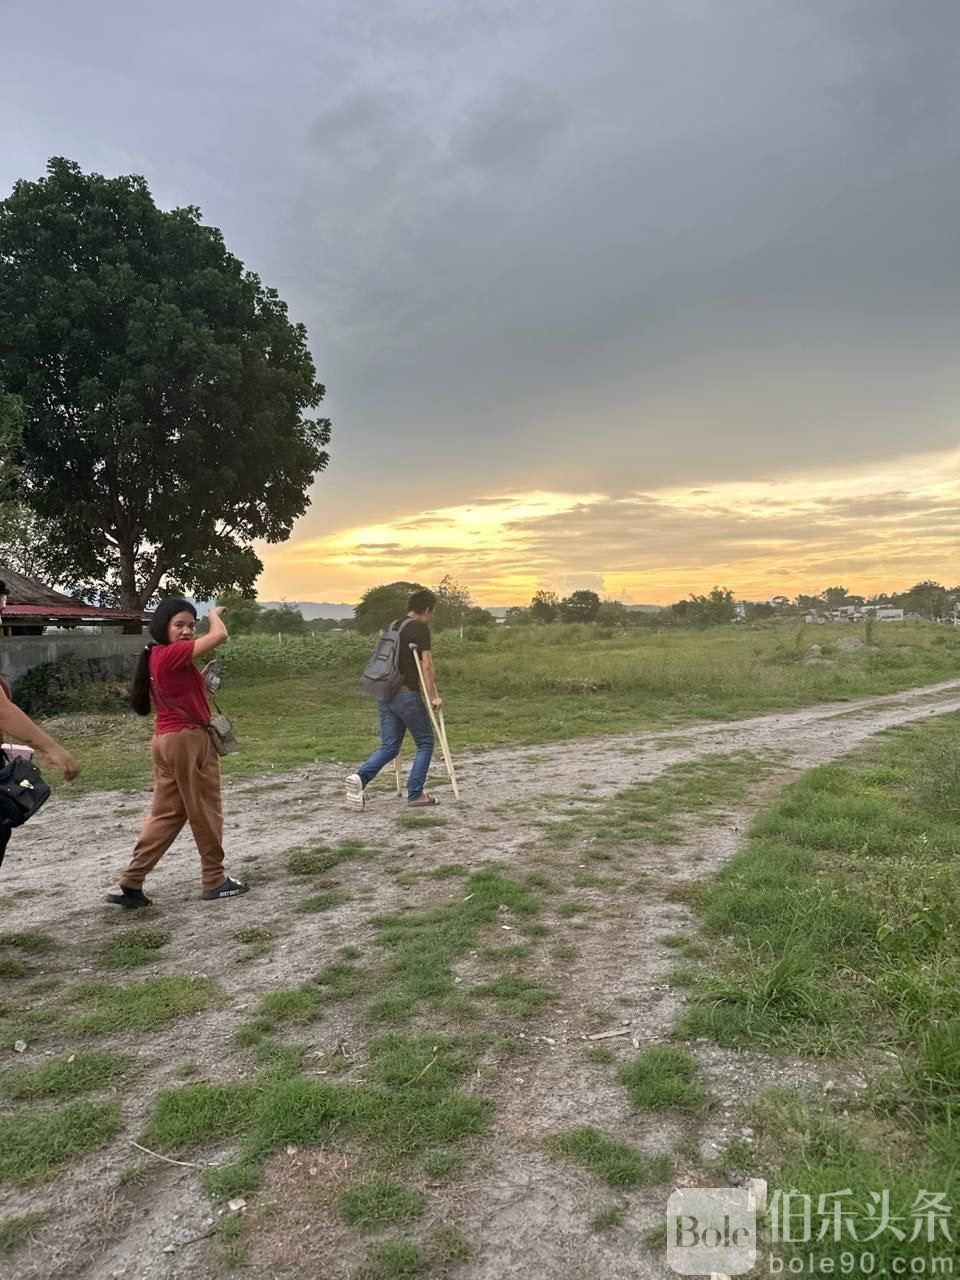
pixel 383 604
pixel 925 599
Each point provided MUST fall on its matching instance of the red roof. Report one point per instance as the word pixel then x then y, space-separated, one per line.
pixel 69 611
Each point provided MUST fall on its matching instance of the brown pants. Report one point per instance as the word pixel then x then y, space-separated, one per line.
pixel 186 788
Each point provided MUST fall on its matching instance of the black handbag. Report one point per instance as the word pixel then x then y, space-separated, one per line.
pixel 22 790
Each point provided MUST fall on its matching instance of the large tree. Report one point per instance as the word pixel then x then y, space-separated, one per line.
pixel 382 605
pixel 579 606
pixel 453 601
pixel 163 388
pixel 545 606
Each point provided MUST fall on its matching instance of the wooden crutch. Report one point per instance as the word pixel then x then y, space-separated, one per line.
pixel 439 727
pixel 396 769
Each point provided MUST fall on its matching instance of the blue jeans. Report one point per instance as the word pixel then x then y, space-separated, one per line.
pixel 404 711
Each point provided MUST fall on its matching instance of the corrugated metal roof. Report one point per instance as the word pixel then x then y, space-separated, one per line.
pixel 27 598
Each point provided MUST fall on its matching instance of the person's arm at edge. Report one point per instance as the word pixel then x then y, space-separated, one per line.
pixel 216 636
pixel 17 725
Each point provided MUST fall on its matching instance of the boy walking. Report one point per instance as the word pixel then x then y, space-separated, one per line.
pixel 406 709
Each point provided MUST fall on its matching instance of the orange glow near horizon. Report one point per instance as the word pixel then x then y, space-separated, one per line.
pixel 881 529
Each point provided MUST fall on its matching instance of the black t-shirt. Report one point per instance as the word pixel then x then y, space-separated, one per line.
pixel 417 633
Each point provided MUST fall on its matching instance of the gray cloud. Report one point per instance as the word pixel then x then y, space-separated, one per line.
pixel 594 246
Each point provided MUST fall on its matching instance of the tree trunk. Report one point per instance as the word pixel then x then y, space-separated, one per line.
pixel 129 595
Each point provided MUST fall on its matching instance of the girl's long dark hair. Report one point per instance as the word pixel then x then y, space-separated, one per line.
pixel 159 625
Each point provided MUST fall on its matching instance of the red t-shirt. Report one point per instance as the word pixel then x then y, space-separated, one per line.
pixel 178 691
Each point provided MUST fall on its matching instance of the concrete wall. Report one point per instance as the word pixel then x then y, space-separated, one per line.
pixel 115 652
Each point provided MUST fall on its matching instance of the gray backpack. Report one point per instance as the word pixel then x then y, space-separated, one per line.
pixel 381 675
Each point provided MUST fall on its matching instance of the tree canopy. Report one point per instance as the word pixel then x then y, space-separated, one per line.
pixel 580 606
pixel 453 601
pixel 242 612
pixel 382 605
pixel 545 606
pixel 163 389
pixel 284 620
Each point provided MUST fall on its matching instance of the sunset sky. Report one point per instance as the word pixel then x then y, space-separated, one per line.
pixel 623 294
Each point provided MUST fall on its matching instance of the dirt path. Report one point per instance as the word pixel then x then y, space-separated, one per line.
pixel 525 1213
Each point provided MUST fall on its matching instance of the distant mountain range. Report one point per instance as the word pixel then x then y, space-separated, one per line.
pixel 311 608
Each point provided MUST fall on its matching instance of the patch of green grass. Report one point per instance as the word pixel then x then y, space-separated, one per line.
pixel 34 944
pixel 230 1236
pixel 607 1219
pixel 149 1005
pixel 13 969
pixel 539 880
pixel 193 1114
pixel 29 1025
pixel 131 947
pixel 408 1104
pixel 834 922
pixel 231 1180
pixel 350 953
pixel 597 1053
pixel 252 1031
pixel 422 945
pixel 325 901
pixel 420 821
pixel 393 1260
pixel 36 1145
pixel 650 811
pixel 567 909
pixel 65 1078
pixel 15 1232
pixel 737 1154
pixel 379 1204
pixel 564 951
pixel 818 1152
pixel 319 859
pixel 512 951
pixel 440 1166
pixel 296 1004
pixel 515 995
pixel 615 1163
pixel 447 871
pixel 255 936
pixel 280 1059
pixel 43 986
pixel 662 1078
pixel 448 1245
pixel 656 1237
pixel 342 980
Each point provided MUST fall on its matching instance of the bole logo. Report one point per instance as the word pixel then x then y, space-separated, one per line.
pixel 711 1229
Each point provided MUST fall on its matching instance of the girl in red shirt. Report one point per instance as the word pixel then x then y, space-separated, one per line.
pixel 186 767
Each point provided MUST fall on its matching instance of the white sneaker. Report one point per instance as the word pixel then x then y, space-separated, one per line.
pixel 354 791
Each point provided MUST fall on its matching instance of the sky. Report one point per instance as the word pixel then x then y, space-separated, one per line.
pixel 620 294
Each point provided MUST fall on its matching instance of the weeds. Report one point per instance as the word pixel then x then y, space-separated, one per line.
pixel 615 1163
pixel 132 947
pixel 83 1073
pixel 380 1204
pixel 35 1146
pixel 15 1232
pixel 663 1078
